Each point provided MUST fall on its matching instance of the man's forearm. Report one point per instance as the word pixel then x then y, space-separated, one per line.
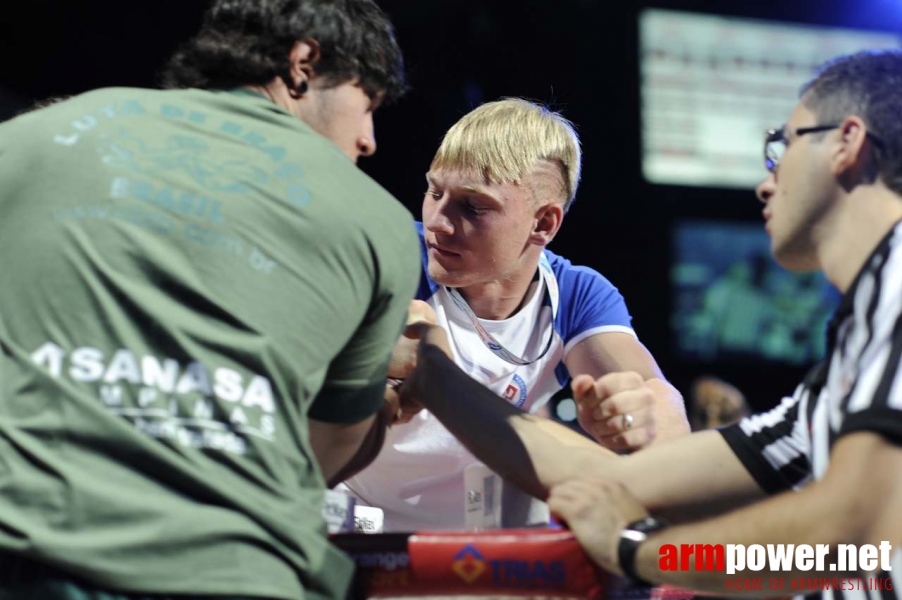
pixel 832 511
pixel 536 453
pixel 531 452
pixel 671 407
pixel 343 449
pixel 805 518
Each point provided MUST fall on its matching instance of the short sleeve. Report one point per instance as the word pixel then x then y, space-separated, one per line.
pixel 355 382
pixel 589 303
pixel 774 446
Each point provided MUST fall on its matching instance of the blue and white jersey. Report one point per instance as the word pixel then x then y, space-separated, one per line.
pixel 417 479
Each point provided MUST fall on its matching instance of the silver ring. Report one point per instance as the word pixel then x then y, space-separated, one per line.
pixel 627 421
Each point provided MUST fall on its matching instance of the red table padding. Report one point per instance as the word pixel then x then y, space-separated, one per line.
pixel 509 562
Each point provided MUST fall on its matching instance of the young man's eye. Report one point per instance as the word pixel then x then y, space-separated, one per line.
pixel 434 193
pixel 474 209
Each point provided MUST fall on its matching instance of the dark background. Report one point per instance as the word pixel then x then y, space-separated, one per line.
pixel 579 56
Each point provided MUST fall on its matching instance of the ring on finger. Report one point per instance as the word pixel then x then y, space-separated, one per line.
pixel 627 421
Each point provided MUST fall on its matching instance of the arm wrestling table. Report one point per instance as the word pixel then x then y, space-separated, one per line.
pixel 506 563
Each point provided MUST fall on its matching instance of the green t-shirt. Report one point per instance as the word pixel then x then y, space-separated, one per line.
pixel 183 274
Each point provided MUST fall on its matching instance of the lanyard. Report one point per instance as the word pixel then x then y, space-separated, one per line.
pixel 494 345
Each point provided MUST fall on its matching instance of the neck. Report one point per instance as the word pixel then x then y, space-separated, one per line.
pixel 277 93
pixel 502 298
pixel 849 235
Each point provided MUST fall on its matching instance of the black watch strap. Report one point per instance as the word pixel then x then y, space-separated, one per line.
pixel 630 538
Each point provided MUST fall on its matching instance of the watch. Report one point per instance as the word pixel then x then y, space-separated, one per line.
pixel 630 538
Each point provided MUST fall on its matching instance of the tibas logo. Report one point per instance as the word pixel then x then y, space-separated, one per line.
pixel 469 565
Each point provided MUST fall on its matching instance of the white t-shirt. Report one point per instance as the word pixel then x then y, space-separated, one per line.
pixel 417 479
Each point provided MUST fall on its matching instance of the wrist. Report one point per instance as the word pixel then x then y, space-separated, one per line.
pixel 433 364
pixel 432 355
pixel 427 374
pixel 631 538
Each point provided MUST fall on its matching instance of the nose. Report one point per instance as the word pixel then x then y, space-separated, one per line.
pixel 767 188
pixel 366 146
pixel 434 217
pixel 366 142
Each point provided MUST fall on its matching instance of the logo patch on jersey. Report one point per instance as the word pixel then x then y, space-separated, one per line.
pixel 516 391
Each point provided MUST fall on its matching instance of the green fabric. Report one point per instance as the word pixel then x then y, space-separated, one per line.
pixel 184 273
pixel 62 589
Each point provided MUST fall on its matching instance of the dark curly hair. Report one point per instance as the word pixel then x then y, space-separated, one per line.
pixel 247 42
pixel 866 84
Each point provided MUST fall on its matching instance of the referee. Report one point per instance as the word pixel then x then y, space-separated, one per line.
pixel 823 467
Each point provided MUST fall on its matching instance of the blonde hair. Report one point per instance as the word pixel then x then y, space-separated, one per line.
pixel 503 141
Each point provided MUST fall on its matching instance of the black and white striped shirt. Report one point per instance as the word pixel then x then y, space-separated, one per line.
pixel 858 387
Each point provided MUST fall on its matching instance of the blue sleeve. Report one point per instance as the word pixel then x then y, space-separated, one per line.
pixel 588 302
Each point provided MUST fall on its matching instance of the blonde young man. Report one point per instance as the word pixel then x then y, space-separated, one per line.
pixel 820 470
pixel 521 319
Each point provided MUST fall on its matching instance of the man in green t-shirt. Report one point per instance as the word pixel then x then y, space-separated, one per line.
pixel 198 299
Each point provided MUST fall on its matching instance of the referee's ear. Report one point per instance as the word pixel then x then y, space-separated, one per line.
pixel 851 159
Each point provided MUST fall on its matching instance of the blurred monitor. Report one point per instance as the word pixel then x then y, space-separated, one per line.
pixel 711 86
pixel 733 302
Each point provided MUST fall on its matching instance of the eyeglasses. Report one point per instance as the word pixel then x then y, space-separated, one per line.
pixel 775 142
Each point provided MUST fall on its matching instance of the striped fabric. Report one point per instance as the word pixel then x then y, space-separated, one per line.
pixel 856 388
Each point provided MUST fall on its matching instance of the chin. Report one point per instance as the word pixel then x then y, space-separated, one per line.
pixel 794 258
pixel 446 278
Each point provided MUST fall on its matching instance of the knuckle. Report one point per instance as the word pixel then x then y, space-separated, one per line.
pixel 599 430
pixel 609 408
pixel 642 438
pixel 586 401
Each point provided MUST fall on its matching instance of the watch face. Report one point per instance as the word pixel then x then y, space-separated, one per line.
pixel 647 525
pixel 633 535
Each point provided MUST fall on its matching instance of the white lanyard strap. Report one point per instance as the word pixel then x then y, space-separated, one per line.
pixel 489 340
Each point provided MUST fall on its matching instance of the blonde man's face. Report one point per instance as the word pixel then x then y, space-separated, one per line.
pixel 477 232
